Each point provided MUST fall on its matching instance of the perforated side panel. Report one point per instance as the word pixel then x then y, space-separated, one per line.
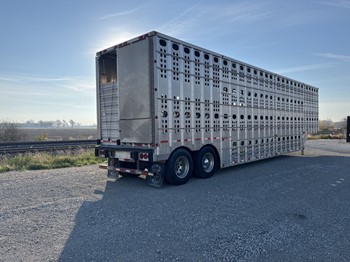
pixel 109 111
pixel 246 112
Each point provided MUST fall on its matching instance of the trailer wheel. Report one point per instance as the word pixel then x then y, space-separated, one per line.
pixel 179 167
pixel 205 162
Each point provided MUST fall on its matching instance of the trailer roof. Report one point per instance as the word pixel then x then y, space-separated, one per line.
pixel 153 33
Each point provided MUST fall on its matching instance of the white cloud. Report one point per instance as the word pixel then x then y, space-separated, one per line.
pixel 30 84
pixel 345 58
pixel 301 68
pixel 8 79
pixel 202 18
pixel 337 3
pixel 47 97
pixel 245 12
pixel 62 105
pixel 180 23
pixel 43 79
pixel 123 13
pixel 24 78
pixel 84 85
pixel 213 18
pixel 197 20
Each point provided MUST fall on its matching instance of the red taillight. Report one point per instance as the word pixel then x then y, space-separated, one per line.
pixel 143 156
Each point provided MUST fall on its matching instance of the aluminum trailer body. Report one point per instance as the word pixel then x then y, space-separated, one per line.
pixel 170 108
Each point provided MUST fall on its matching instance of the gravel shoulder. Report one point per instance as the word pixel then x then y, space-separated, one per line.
pixel 289 208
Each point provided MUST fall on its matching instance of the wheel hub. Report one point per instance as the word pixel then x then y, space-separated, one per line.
pixel 181 167
pixel 208 162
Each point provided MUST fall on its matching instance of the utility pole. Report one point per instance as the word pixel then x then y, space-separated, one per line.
pixel 348 130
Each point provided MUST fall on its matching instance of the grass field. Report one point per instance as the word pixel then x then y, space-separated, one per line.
pixel 49 160
pixel 56 134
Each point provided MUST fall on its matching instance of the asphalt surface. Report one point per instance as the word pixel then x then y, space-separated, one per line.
pixel 289 208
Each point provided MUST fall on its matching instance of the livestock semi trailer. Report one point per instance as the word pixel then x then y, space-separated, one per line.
pixel 167 109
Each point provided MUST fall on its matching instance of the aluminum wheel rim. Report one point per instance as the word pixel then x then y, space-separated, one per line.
pixel 208 162
pixel 182 166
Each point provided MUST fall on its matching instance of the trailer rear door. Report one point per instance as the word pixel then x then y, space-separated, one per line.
pixel 135 101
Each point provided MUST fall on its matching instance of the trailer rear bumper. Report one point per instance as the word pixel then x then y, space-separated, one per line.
pixel 154 176
pixel 131 160
pixel 138 172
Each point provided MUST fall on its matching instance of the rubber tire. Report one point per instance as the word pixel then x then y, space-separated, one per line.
pixel 198 158
pixel 170 174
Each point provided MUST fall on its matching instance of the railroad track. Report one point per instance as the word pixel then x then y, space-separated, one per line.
pixel 22 147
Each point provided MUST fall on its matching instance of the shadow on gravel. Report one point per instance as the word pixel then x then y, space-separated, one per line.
pixel 262 211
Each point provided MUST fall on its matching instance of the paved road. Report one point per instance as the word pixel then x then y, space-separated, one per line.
pixel 291 208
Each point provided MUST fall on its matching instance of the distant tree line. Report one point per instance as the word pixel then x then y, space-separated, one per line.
pixel 12 131
pixel 49 124
pixel 330 125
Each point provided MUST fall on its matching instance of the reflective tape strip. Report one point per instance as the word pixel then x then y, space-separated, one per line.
pixel 132 171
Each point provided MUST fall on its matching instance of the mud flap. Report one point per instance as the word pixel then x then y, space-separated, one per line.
pixel 113 174
pixel 111 170
pixel 157 179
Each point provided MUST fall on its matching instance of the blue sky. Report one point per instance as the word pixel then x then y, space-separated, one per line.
pixel 47 54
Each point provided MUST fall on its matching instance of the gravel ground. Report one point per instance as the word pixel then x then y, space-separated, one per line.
pixel 290 208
